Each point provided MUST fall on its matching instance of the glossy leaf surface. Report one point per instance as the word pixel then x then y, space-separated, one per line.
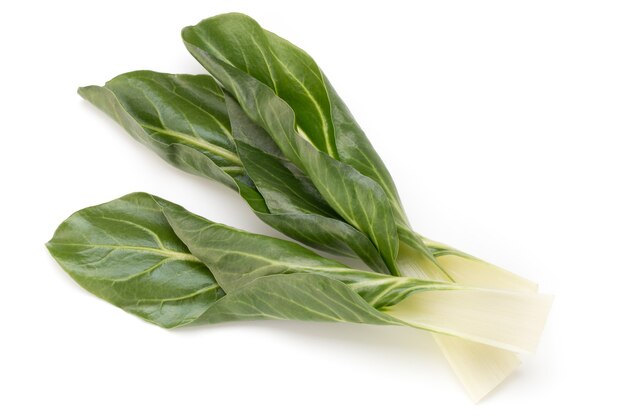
pixel 125 252
pixel 300 296
pixel 235 257
pixel 292 198
pixel 168 113
pixel 182 118
pixel 357 198
pixel 143 253
pixel 415 257
pixel 274 179
pixel 320 115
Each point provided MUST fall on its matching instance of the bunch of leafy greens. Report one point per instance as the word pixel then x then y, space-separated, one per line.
pixel 267 123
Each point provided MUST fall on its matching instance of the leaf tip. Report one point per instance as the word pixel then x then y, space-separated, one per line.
pixel 86 91
pixel 184 31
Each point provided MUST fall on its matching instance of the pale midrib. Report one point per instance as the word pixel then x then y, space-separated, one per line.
pixel 163 252
pixel 182 297
pixel 299 267
pixel 216 150
pixel 419 284
pixel 330 147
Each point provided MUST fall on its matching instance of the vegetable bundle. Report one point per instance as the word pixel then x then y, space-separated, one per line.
pixel 267 123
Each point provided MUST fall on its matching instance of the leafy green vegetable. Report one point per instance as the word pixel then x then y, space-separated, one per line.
pixel 235 257
pixel 273 128
pixel 125 252
pixel 358 199
pixel 321 116
pixel 265 101
pixel 170 114
pixel 181 117
pixel 155 259
pixel 140 100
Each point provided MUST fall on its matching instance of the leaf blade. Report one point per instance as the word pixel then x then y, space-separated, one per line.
pixel 298 296
pixel 343 187
pixel 165 111
pixel 302 220
pixel 144 269
pixel 320 114
pixel 160 278
pixel 242 43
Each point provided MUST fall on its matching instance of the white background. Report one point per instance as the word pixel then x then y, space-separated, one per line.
pixel 503 124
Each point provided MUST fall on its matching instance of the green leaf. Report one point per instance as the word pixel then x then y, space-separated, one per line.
pixel 239 41
pixel 125 252
pixel 295 84
pixel 320 114
pixel 190 140
pixel 358 199
pixel 327 234
pixel 304 297
pixel 143 253
pixel 322 120
pixel 182 118
pixel 128 253
pixel 278 85
pixel 235 257
pixel 294 202
pixel 356 150
pixel 285 188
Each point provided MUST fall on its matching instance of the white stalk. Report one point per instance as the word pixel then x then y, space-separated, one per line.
pixel 479 367
pixel 476 273
pixel 503 319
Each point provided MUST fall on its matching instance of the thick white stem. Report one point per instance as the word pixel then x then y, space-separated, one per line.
pixel 479 367
pixel 476 273
pixel 503 319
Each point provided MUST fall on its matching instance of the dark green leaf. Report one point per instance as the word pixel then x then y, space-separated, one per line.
pixel 235 257
pixel 178 105
pixel 304 297
pixel 277 91
pixel 125 252
pixel 182 118
pixel 284 187
pixel 301 212
pixel 320 114
pixel 239 41
pixel 132 252
pixel 357 151
pixel 358 199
